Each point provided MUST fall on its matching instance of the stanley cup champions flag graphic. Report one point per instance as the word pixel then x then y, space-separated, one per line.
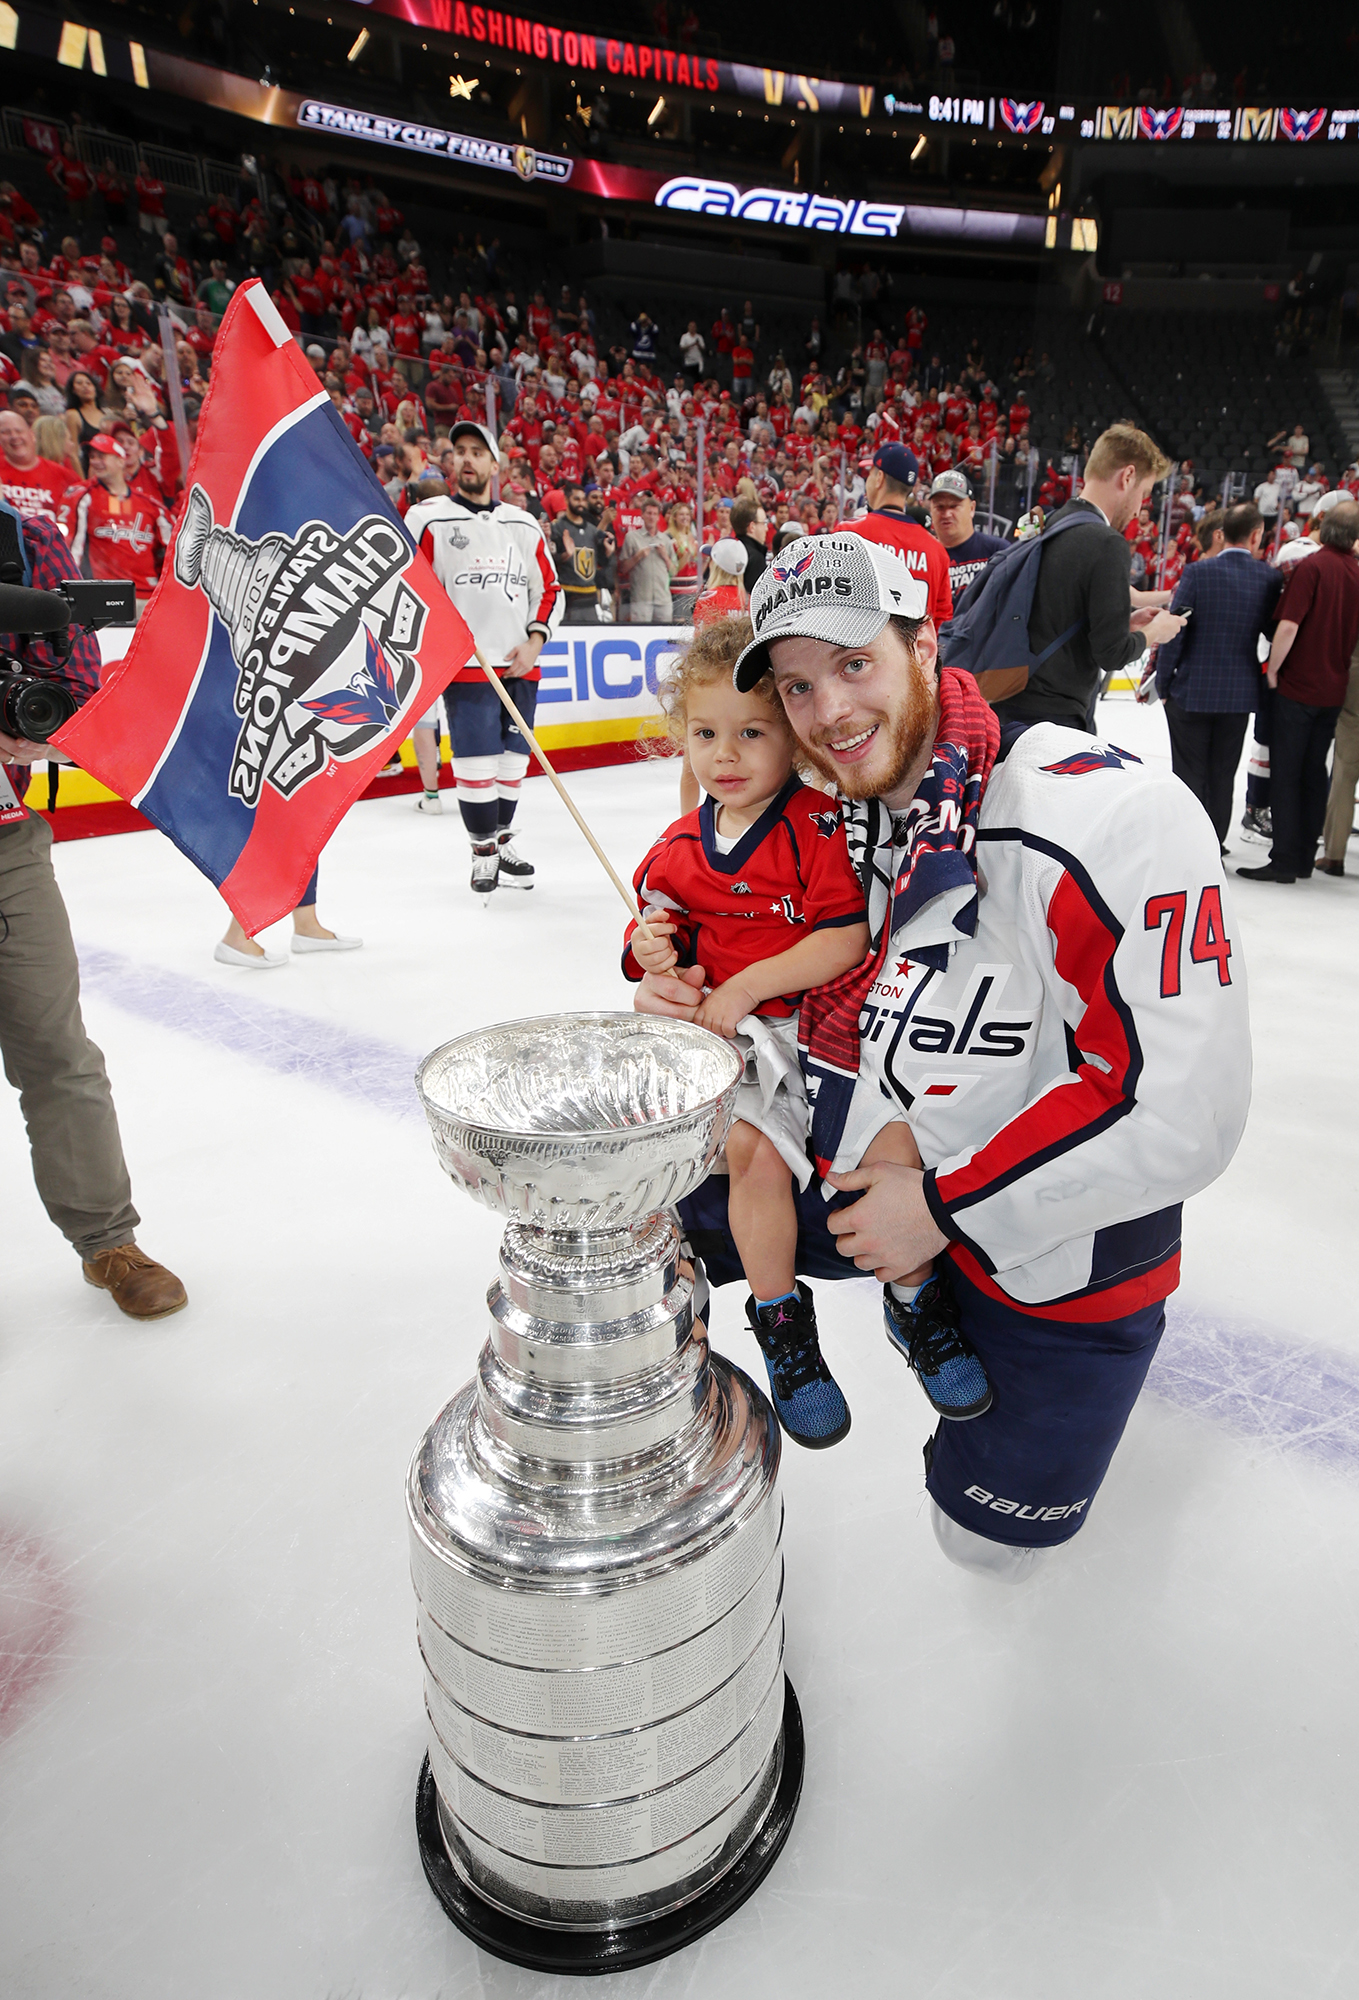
pixel 294 636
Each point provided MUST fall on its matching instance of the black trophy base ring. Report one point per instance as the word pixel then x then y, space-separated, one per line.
pixel 587 1952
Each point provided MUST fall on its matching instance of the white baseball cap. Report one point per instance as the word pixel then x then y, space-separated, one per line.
pixel 465 427
pixel 731 556
pixel 838 588
pixel 1335 497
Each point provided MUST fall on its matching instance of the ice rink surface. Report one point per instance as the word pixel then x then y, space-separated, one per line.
pixel 1137 1776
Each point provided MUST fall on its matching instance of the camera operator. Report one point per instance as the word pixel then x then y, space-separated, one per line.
pixel 59 1073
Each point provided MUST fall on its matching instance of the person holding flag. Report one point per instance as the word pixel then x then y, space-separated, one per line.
pixel 499 574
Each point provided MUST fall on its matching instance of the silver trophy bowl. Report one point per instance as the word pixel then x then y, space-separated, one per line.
pixel 614 1753
pixel 580 1121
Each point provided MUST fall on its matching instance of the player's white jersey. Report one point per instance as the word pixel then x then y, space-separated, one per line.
pixel 1096 1027
pixel 496 568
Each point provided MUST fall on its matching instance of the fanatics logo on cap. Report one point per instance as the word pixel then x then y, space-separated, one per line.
pixel 952 482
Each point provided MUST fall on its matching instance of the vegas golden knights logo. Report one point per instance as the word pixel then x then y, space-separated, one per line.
pixel 1254 121
pixel 1115 121
pixel 525 162
pixel 584 565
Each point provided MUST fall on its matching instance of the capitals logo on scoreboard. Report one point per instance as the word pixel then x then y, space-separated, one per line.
pixel 1021 118
pixel 1159 124
pixel 1300 125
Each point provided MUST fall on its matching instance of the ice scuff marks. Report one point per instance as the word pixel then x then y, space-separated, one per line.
pixel 1286 1392
pixel 35 1612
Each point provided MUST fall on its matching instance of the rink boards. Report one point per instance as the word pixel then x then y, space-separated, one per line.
pixel 596 705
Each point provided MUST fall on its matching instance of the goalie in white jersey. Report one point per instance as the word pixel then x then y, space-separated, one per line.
pixel 492 560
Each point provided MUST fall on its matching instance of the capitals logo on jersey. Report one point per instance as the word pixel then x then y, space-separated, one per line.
pixel 827 824
pixel 1099 757
pixel 1021 118
pixel 292 638
pixel 1159 124
pixel 1300 125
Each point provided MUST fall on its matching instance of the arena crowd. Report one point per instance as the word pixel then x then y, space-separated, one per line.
pixel 638 456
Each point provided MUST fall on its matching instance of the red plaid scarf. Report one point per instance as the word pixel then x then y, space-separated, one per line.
pixel 938 860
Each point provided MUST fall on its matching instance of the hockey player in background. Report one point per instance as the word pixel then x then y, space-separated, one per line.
pixel 492 560
pixel 1054 994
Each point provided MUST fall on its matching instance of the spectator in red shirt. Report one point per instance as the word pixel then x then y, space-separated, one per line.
pixel 742 370
pixel 224 220
pixel 121 530
pixel 405 328
pixel 31 484
pixel 311 299
pixel 150 194
pixel 73 177
pixel 202 335
pixel 539 319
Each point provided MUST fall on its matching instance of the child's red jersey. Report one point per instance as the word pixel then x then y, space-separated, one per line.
pixel 788 875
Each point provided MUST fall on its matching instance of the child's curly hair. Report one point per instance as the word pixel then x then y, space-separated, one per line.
pixel 710 656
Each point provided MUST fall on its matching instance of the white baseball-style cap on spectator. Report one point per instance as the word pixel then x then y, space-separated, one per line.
pixel 731 556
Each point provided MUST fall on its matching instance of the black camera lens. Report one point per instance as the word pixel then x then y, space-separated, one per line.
pixel 33 708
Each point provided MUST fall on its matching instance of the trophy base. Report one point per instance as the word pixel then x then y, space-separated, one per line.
pixel 588 1952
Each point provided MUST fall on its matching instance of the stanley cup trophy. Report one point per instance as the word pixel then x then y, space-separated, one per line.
pixel 615 1756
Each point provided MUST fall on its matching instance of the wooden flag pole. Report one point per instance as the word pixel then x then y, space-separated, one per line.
pixel 494 678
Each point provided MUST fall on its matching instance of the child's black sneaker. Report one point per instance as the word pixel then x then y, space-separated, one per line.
pixel 805 1394
pixel 929 1334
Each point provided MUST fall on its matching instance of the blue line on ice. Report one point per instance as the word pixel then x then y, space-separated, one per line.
pixel 1296 1396
pixel 297 1045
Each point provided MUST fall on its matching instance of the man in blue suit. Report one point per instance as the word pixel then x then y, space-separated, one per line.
pixel 1209 676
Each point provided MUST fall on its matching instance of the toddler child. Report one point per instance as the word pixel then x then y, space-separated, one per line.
pixel 757 887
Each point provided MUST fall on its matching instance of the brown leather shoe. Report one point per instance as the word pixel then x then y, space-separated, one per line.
pixel 140 1287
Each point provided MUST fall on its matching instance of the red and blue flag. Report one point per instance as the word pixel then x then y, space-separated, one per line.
pixel 294 636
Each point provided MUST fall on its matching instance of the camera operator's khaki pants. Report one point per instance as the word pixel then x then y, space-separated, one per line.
pixel 59 1073
pixel 1344 772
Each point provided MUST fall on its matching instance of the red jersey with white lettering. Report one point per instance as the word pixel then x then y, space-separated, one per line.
pixel 788 875
pixel 121 536
pixel 917 548
pixel 405 331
